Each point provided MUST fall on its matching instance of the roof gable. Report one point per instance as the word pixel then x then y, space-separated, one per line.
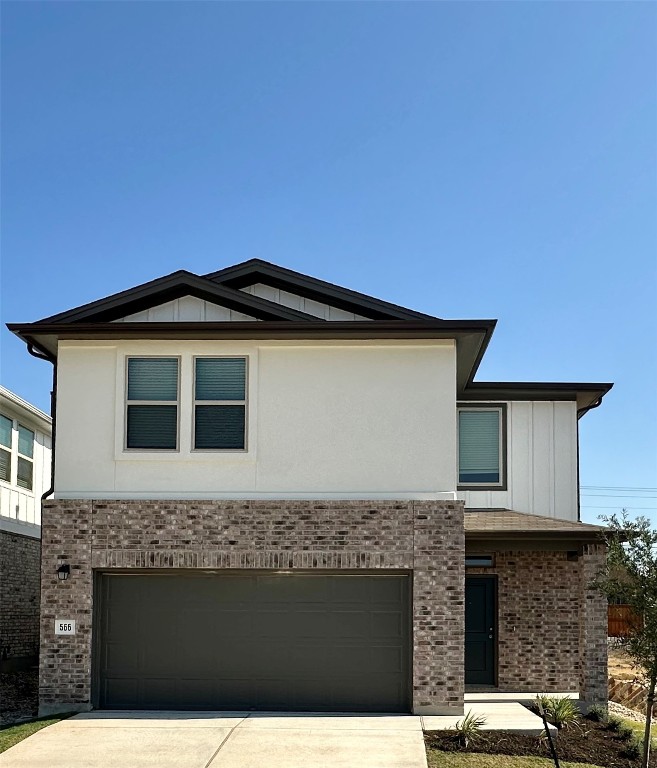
pixel 168 289
pixel 258 272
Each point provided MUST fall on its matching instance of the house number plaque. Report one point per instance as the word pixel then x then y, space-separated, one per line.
pixel 64 627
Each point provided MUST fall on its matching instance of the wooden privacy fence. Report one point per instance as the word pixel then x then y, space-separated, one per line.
pixel 620 620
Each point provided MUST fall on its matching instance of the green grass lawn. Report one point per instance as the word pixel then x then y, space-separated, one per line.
pixel 639 728
pixel 457 760
pixel 12 734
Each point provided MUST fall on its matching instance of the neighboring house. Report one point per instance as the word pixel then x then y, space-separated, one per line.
pixel 275 493
pixel 25 475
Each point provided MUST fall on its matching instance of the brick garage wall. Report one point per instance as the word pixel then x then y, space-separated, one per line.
pixel 19 598
pixel 424 536
pixel 551 627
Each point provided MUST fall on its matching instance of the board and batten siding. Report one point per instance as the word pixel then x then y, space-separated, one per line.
pixel 373 419
pixel 20 509
pixel 187 309
pixel 309 306
pixel 541 462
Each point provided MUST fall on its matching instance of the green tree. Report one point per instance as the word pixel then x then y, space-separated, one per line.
pixel 631 576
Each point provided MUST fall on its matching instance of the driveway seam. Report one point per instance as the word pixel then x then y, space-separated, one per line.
pixel 225 739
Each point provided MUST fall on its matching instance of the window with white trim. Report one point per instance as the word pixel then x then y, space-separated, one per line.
pixel 219 404
pixel 481 448
pixel 25 462
pixel 6 428
pixel 152 400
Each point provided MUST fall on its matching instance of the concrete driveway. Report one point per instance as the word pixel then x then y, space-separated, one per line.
pixel 223 740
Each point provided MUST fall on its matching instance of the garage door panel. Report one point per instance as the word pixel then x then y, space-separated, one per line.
pixel 121 692
pixel 121 658
pixel 308 623
pixel 195 692
pixel 159 693
pixel 387 624
pixel 266 642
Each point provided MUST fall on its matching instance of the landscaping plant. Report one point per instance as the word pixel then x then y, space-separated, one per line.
pixel 561 711
pixel 631 575
pixel 469 728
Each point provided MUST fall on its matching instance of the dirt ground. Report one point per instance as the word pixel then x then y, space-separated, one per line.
pixel 620 665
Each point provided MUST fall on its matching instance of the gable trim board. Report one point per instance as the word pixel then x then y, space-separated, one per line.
pixel 258 271
pixel 168 288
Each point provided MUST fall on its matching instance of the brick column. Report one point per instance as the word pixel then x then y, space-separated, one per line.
pixel 592 629
pixel 438 608
pixel 65 661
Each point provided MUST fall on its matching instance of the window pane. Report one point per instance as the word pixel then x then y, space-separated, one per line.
pixel 152 426
pixel 5 431
pixel 5 466
pixel 25 441
pixel 153 378
pixel 219 426
pixel 479 446
pixel 220 378
pixel 24 474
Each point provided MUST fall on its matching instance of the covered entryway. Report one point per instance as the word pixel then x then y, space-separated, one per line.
pixel 254 641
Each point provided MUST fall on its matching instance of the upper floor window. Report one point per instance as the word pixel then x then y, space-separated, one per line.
pixel 219 403
pixel 481 447
pixel 152 403
pixel 20 451
pixel 6 426
pixel 25 463
pixel 214 387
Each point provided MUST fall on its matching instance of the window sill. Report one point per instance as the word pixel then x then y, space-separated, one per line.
pixel 205 456
pixel 482 487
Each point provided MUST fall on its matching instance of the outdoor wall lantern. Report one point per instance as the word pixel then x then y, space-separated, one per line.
pixel 63 572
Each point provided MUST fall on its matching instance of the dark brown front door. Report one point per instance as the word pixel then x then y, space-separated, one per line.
pixel 480 630
pixel 261 641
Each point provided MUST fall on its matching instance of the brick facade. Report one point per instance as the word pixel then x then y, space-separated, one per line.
pixel 19 599
pixel 424 537
pixel 552 629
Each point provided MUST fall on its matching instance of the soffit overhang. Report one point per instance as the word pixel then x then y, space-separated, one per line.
pixel 471 336
pixel 587 395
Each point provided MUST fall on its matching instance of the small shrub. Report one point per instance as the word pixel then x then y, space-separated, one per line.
pixel 562 712
pixel 634 748
pixel 597 714
pixel 469 729
pixel 614 723
pixel 625 732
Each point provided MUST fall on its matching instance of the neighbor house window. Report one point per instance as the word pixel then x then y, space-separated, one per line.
pixel 152 403
pixel 25 463
pixel 481 453
pixel 6 426
pixel 219 403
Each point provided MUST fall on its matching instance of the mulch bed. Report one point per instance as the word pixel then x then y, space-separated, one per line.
pixel 18 696
pixel 588 743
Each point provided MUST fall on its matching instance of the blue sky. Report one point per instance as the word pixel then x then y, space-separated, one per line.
pixel 465 159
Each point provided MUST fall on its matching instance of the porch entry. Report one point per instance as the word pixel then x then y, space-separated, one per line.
pixel 480 629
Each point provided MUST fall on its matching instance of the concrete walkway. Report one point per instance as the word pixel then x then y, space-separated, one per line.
pixel 253 740
pixel 223 740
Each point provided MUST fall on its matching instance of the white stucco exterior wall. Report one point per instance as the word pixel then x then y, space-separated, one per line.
pixel 325 420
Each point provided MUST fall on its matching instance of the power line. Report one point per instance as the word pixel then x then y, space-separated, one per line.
pixel 617 506
pixel 620 496
pixel 618 488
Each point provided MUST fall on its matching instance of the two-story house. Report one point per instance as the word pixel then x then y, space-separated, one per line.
pixel 274 493
pixel 25 475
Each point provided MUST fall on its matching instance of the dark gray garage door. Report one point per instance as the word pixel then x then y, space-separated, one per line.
pixel 298 642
